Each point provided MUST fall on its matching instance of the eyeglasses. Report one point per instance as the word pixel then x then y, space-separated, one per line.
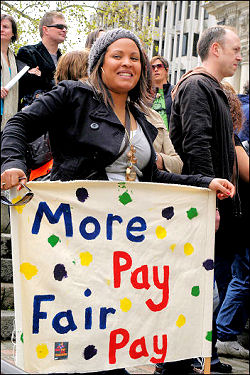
pixel 24 200
pixel 59 26
pixel 158 66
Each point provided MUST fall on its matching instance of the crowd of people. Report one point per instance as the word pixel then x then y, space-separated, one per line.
pixel 109 113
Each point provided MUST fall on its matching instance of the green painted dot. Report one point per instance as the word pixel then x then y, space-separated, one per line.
pixel 192 213
pixel 21 337
pixel 73 261
pixel 209 336
pixel 53 240
pixel 195 291
pixel 122 185
pixel 125 198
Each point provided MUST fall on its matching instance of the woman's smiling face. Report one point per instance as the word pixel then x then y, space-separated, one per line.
pixel 121 68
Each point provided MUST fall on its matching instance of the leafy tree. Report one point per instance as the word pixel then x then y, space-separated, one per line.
pixel 108 14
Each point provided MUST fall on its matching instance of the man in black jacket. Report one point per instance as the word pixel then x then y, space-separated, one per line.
pixel 201 127
pixel 163 100
pixel 44 55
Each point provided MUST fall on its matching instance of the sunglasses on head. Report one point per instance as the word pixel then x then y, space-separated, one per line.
pixel 158 66
pixel 59 26
pixel 24 200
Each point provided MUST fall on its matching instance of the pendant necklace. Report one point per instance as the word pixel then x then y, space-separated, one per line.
pixel 130 170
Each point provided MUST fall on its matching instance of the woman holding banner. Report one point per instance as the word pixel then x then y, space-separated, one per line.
pixel 95 128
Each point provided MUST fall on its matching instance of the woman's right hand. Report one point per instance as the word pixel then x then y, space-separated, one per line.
pixel 12 177
pixel 4 92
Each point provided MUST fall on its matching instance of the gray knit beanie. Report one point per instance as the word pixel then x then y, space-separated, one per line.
pixel 102 43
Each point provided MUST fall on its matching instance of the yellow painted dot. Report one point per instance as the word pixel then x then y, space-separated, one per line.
pixel 125 304
pixel 67 242
pixel 188 248
pixel 108 282
pixel 18 208
pixel 28 270
pixel 181 321
pixel 172 247
pixel 42 351
pixel 86 258
pixel 160 232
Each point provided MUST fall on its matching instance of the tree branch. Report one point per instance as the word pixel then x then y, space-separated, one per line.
pixel 14 9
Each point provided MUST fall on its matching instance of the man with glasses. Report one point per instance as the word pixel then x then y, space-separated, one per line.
pixel 43 56
pixel 162 102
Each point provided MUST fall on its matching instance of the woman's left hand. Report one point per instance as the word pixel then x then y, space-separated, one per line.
pixel 223 188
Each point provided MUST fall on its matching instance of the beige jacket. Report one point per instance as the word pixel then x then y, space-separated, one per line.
pixel 162 143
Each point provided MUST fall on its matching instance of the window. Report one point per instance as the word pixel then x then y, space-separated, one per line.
pixel 183 71
pixel 162 47
pixel 175 77
pixel 196 38
pixel 157 16
pixel 177 45
pixel 206 15
pixel 149 14
pixel 197 8
pixel 172 49
pixel 184 44
pixel 165 17
pixel 180 10
pixel 156 48
pixel 175 5
pixel 188 9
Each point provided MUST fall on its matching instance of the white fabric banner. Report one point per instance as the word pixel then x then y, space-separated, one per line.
pixel 110 275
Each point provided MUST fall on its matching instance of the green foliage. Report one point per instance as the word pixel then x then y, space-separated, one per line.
pixel 107 14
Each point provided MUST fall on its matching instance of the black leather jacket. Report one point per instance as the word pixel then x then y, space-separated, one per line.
pixel 85 136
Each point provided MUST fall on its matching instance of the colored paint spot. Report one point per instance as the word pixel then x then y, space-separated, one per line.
pixel 42 351
pixel 60 272
pixel 181 321
pixel 28 270
pixel 18 208
pixel 89 352
pixel 53 240
pixel 188 248
pixel 21 337
pixel 160 232
pixel 87 292
pixel 125 304
pixel 108 282
pixel 125 198
pixel 86 258
pixel 73 261
pixel 168 212
pixel 173 246
pixel 122 185
pixel 208 264
pixel 192 213
pixel 82 194
pixel 209 336
pixel 195 291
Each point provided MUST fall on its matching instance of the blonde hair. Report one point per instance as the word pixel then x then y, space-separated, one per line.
pixel 72 65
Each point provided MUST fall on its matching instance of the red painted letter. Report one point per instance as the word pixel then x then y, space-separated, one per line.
pixel 114 345
pixel 144 272
pixel 165 289
pixel 118 268
pixel 143 349
pixel 162 351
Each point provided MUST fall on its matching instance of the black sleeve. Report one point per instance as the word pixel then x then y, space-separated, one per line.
pixel 31 123
pixel 173 178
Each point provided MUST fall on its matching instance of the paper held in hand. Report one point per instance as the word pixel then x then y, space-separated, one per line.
pixel 14 80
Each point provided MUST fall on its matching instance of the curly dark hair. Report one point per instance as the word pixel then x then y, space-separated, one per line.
pixel 235 106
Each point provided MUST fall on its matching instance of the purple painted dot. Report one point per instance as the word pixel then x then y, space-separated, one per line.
pixel 168 212
pixel 208 264
pixel 82 194
pixel 87 292
pixel 60 272
pixel 89 352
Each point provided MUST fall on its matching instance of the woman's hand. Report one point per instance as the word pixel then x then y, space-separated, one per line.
pixel 4 92
pixel 35 71
pixel 12 177
pixel 223 188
